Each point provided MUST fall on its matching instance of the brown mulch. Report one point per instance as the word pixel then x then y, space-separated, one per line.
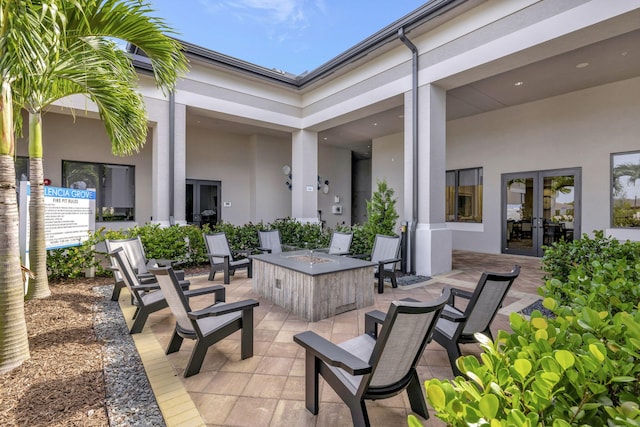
pixel 62 384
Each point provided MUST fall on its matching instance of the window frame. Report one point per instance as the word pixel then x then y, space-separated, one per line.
pixel 612 182
pixel 100 190
pixel 456 194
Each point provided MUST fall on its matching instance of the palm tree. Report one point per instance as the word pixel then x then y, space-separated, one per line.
pixel 84 59
pixel 50 49
pixel 19 56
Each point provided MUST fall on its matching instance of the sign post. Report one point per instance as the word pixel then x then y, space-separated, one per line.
pixel 69 216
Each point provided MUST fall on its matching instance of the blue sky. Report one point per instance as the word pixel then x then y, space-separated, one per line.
pixel 290 35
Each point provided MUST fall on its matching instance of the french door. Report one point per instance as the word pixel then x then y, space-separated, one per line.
pixel 539 208
pixel 203 202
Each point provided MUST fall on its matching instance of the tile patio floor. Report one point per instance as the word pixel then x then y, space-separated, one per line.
pixel 268 389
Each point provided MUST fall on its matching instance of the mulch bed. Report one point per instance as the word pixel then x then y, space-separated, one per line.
pixel 62 383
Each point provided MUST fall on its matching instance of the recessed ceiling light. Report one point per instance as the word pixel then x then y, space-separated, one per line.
pixel 518 83
pixel 582 65
pixel 375 124
pixel 401 116
pixel 325 138
pixel 625 53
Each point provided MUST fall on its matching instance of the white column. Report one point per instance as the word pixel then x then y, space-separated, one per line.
pixel 433 239
pixel 304 174
pixel 158 114
pixel 179 164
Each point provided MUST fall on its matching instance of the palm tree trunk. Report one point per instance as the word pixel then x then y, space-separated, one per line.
pixel 14 344
pixel 38 286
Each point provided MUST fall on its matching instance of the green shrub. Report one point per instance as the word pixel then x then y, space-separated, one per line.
pixel 381 212
pixel 574 370
pixel 581 367
pixel 562 256
pixel 72 262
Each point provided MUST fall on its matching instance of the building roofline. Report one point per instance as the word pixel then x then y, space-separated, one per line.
pixel 427 12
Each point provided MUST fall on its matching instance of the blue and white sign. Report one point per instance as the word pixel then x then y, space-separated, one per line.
pixel 69 215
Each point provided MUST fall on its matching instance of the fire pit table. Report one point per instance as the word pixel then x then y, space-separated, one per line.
pixel 314 285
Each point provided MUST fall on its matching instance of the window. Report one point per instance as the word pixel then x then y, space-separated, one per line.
pixel 625 189
pixel 464 195
pixel 114 184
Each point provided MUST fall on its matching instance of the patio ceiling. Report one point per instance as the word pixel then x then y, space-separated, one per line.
pixel 578 66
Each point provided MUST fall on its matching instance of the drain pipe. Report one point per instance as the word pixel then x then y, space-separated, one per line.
pixel 414 126
pixel 172 142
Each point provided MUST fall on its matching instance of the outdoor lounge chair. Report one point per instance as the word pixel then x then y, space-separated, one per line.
pixel 136 254
pixel 340 243
pixel 221 256
pixel 270 242
pixel 147 297
pixel 206 326
pixel 458 326
pixel 368 368
pixel 385 253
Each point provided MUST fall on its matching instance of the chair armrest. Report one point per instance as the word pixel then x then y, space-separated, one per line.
pixel 245 252
pixel 226 257
pixel 146 286
pixel 331 354
pixel 218 310
pixel 371 321
pixel 218 290
pixel 452 315
pixel 267 250
pixel 457 292
pixel 360 256
pixel 384 262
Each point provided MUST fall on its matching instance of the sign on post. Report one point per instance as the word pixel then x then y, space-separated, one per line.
pixel 69 216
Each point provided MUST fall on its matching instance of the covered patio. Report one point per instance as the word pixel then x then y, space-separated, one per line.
pixel 268 389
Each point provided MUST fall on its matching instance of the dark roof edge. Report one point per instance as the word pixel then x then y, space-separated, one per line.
pixel 419 16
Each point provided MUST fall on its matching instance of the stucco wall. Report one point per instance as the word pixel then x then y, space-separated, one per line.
pixel 83 139
pixel 580 129
pixel 387 163
pixel 334 165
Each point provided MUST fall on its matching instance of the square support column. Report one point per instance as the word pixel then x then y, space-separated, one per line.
pixel 158 114
pixel 433 238
pixel 304 174
pixel 179 164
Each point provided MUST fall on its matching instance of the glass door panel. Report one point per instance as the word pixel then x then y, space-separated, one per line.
pixel 539 209
pixel 202 202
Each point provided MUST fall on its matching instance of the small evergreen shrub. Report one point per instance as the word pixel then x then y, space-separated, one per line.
pixel 381 212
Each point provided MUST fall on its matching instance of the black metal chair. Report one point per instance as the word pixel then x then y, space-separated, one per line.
pixel 385 252
pixel 222 258
pixel 340 243
pixel 458 326
pixel 366 368
pixel 206 326
pixel 136 254
pixel 147 297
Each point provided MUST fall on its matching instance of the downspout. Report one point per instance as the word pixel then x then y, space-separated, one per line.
pixel 414 126
pixel 172 141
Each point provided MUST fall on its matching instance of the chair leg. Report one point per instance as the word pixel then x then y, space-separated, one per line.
pixel 394 281
pixel 380 283
pixel 453 351
pixel 116 291
pixel 250 269
pixel 246 334
pixel 175 343
pixel 311 389
pixel 212 274
pixel 139 321
pixel 359 415
pixel 416 396
pixel 226 272
pixel 196 359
